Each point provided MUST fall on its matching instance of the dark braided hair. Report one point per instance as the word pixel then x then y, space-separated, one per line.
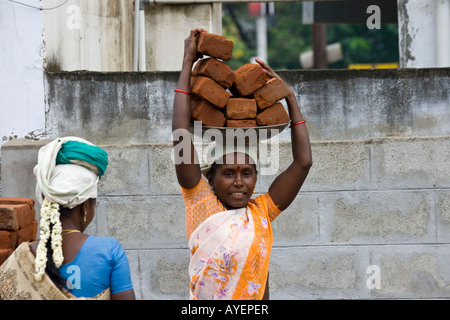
pixel 51 269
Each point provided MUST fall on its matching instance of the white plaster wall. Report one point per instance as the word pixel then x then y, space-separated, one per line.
pixel 89 35
pixel 22 107
pixel 417 33
pixel 99 35
pixel 168 25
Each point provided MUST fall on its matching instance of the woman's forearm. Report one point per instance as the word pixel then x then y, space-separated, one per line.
pixel 301 148
pixel 293 108
pixel 182 101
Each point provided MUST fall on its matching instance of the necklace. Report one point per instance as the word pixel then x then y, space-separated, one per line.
pixel 67 231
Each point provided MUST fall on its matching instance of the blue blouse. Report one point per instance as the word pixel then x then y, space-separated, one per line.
pixel 101 263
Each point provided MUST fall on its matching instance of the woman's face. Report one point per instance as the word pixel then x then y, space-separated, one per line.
pixel 234 181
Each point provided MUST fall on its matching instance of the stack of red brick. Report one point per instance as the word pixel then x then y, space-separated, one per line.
pixel 226 98
pixel 17 224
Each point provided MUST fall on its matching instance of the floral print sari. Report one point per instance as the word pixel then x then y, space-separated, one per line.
pixel 229 249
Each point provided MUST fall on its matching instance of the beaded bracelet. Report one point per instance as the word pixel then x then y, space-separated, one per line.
pixel 294 124
pixel 182 91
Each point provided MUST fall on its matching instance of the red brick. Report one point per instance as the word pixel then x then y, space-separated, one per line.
pixel 242 123
pixel 273 115
pixel 8 200
pixel 4 254
pixel 216 70
pixel 240 108
pixel 27 234
pixel 208 114
pixel 209 90
pixel 249 78
pixel 8 239
pixel 25 207
pixel 8 219
pixel 273 91
pixel 13 217
pixel 215 46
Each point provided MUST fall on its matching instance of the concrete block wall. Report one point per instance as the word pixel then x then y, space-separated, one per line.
pixel 372 220
pixel 338 104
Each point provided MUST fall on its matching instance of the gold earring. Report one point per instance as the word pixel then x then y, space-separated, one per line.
pixel 85 215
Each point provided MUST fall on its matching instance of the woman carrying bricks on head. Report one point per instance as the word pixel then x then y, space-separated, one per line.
pixel 66 263
pixel 230 234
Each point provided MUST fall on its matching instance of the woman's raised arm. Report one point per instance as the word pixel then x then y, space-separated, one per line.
pixel 286 186
pixel 186 160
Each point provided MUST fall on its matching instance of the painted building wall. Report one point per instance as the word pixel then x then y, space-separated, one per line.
pixel 89 35
pixel 22 101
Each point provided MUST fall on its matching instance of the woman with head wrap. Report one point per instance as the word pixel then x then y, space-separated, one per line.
pixel 230 234
pixel 66 263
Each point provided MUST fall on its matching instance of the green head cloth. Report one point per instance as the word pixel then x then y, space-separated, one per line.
pixel 74 152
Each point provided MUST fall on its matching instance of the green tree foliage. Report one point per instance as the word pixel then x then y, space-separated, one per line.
pixel 288 37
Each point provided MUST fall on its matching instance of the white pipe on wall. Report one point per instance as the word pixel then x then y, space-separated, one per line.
pixel 136 35
pixel 142 60
pixel 261 36
pixel 139 60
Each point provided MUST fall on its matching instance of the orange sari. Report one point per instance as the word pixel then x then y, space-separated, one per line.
pixel 229 250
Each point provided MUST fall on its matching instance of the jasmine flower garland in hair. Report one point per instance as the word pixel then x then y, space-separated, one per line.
pixel 56 235
pixel 41 252
pixel 49 215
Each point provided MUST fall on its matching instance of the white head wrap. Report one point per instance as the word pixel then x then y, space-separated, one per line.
pixel 219 150
pixel 66 184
